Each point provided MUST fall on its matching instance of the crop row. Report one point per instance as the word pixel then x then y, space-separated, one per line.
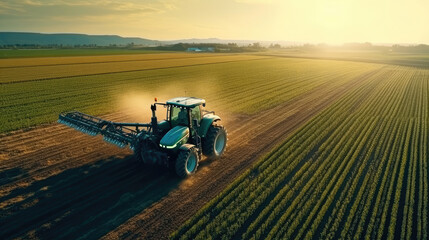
pixel 243 87
pixel 357 170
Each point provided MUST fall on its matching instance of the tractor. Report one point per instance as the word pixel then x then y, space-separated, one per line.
pixel 178 141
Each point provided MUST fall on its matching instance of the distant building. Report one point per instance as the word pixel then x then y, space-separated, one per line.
pixel 193 49
pixel 224 50
pixel 200 49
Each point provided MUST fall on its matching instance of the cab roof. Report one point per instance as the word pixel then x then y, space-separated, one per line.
pixel 186 101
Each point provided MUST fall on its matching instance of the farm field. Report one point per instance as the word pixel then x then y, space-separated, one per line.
pixel 411 59
pixel 46 72
pixel 37 53
pixel 64 60
pixel 317 115
pixel 357 170
pixel 236 83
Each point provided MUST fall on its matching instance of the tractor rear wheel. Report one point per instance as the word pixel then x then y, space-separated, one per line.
pixel 214 143
pixel 187 162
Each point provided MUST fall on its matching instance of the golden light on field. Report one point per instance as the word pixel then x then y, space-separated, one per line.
pixel 330 21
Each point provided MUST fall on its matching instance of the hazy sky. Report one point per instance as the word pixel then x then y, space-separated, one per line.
pixel 328 21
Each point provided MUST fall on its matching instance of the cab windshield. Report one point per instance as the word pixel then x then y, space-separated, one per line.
pixel 178 116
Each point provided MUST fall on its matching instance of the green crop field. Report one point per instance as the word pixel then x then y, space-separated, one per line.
pixel 54 71
pixel 30 95
pixel 357 170
pixel 413 59
pixel 355 167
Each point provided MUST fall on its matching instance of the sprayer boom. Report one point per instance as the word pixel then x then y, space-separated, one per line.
pixel 120 134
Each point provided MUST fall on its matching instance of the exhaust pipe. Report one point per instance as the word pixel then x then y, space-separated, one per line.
pixel 154 120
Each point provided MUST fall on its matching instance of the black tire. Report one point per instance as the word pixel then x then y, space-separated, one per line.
pixel 187 162
pixel 144 152
pixel 214 144
pixel 137 154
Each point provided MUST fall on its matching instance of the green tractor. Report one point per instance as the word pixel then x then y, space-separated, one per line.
pixel 178 141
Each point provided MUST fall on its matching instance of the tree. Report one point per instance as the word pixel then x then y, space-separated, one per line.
pixel 256 45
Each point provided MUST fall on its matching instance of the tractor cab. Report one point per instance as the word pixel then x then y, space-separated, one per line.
pixel 184 118
pixel 185 111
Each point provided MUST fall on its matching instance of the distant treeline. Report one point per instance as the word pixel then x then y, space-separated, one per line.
pixel 213 47
pixel 230 47
pixel 420 48
pixel 67 46
pixel 50 46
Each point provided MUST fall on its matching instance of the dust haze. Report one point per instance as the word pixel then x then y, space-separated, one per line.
pixel 135 104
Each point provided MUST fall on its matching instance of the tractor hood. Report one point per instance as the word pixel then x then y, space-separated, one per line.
pixel 175 137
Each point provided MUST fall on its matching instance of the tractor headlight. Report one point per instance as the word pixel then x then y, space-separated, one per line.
pixel 168 147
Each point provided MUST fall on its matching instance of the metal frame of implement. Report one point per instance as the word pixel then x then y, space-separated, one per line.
pixel 120 134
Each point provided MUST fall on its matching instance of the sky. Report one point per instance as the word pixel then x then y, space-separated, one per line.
pixel 312 21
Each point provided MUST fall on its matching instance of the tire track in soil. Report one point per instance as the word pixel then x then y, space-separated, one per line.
pixel 90 187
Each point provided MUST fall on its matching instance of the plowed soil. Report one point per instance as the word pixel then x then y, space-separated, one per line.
pixel 57 183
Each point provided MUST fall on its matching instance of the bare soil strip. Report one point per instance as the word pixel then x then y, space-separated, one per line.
pixel 58 183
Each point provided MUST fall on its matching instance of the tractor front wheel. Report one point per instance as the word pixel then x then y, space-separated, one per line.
pixel 187 162
pixel 214 143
